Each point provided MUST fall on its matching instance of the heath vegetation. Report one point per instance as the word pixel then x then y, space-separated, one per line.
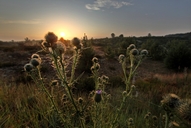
pixel 63 84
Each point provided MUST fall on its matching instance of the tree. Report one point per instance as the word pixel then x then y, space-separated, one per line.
pixel 27 39
pixel 112 35
pixel 121 36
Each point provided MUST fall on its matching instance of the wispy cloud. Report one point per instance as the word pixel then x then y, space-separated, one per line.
pixel 19 21
pixel 98 4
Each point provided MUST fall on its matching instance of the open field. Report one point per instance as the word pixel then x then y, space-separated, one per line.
pixel 25 104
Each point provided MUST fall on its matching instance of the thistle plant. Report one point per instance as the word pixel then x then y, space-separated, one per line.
pixel 101 98
pixel 131 61
pixel 95 110
pixel 175 106
pixel 56 51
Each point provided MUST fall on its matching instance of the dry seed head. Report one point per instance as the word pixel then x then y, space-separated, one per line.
pixel 144 52
pixel 131 46
pixel 45 44
pixel 149 113
pixel 64 98
pixel 134 52
pixel 78 47
pixel 80 100
pixel 51 38
pixel 95 60
pixel 75 41
pixel 170 101
pixel 54 83
pixel 146 116
pixel 154 118
pixel 121 58
pixel 124 93
pixel 95 67
pixel 35 62
pixel 35 56
pixel 28 67
pixel 60 48
pixel 184 110
pixel 130 122
pixel 104 79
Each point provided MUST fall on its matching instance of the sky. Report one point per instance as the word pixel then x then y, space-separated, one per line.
pixel 97 18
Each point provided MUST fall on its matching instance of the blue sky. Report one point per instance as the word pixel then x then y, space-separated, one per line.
pixel 96 18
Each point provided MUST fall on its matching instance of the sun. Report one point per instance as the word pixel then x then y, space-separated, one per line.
pixel 62 34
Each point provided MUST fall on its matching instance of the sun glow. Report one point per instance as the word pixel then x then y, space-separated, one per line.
pixel 62 34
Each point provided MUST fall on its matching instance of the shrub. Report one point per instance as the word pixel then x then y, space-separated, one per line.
pixel 86 56
pixel 156 50
pixel 178 57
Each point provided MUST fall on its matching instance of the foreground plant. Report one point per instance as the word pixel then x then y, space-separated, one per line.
pixel 175 106
pixel 95 109
pixel 130 61
pixel 56 51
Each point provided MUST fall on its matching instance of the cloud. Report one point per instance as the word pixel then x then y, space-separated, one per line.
pixel 98 4
pixel 19 21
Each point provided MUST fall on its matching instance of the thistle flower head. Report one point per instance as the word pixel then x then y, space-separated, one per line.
pixel 28 67
pixel 45 44
pixel 131 46
pixel 78 47
pixel 97 97
pixel 95 67
pixel 124 93
pixel 146 116
pixel 64 98
pixel 170 101
pixel 130 122
pixel 80 100
pixel 75 41
pixel 134 52
pixel 95 60
pixel 51 38
pixel 104 79
pixel 35 56
pixel 144 52
pixel 121 58
pixel 60 48
pixel 35 62
pixel 184 110
pixel 154 118
pixel 54 83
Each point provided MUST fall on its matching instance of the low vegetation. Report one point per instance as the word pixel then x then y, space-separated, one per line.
pixel 79 95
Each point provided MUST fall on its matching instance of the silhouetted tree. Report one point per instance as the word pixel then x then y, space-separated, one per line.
pixel 27 39
pixel 112 35
pixel 121 36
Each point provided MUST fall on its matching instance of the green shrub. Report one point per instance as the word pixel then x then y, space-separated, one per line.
pixel 178 57
pixel 157 51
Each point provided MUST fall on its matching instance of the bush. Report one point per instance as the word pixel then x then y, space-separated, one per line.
pixel 156 50
pixel 85 61
pixel 178 57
